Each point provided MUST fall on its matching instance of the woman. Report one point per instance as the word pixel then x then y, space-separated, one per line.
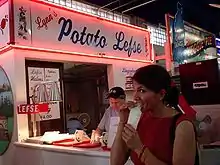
pixel 151 143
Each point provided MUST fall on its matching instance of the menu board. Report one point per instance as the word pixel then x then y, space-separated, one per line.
pixel 44 87
pixel 128 74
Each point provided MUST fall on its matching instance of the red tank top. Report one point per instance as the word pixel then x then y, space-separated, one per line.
pixel 155 134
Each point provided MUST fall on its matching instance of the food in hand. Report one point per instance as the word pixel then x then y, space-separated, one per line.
pixel 134 116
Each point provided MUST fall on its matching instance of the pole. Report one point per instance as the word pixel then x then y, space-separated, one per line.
pixel 215 5
pixel 135 7
pixel 121 6
pixel 108 4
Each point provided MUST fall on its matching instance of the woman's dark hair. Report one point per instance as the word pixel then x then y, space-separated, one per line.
pixel 156 78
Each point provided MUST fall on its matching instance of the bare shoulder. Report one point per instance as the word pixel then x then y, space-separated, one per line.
pixel 185 131
pixel 185 144
pixel 186 126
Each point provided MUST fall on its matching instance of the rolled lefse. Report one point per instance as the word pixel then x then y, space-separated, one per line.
pixel 134 116
pixel 95 137
pixel 81 136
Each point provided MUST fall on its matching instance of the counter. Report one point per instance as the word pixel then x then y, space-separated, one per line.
pixel 37 154
pixel 210 156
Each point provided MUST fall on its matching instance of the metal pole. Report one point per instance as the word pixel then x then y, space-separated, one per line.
pixel 108 4
pixel 215 5
pixel 121 6
pixel 138 6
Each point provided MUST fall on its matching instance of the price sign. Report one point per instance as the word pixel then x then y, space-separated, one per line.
pixel 32 108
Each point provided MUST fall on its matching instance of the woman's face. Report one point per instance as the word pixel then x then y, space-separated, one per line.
pixel 145 97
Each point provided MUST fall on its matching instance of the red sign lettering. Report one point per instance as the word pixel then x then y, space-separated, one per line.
pixel 32 108
pixel 43 22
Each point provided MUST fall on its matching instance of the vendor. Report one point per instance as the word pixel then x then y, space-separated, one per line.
pixel 116 97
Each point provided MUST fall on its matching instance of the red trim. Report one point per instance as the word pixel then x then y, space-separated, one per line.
pixel 88 15
pixel 5 49
pixel 168 36
pixel 161 57
pixel 87 145
pixel 3 2
pixel 105 148
pixel 149 48
pixel 11 22
pixel 29 48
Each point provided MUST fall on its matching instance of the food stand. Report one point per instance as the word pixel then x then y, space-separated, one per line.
pixel 35 32
pixel 197 49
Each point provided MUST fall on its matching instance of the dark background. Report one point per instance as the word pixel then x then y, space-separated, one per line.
pixel 197 12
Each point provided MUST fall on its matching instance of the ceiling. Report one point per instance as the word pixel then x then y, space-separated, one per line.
pixel 197 12
pixel 80 71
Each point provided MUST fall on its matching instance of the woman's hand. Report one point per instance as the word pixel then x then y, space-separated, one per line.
pixel 131 138
pixel 124 111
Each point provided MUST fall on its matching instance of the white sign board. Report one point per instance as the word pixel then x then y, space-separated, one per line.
pixel 200 85
pixel 127 75
pixel 44 76
pixel 123 76
pixel 60 29
pixel 4 25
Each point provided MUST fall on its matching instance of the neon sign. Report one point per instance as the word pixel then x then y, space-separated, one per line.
pixel 83 37
pixel 64 30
